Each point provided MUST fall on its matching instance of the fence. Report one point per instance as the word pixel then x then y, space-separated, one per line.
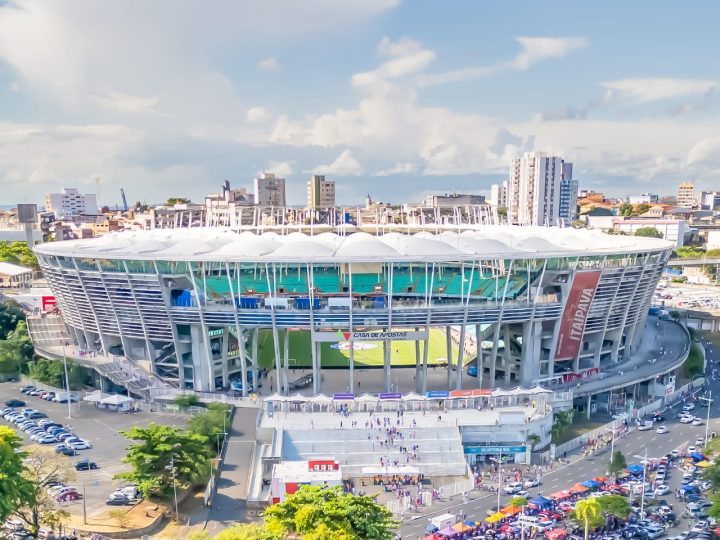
pixel 169 394
pixel 428 497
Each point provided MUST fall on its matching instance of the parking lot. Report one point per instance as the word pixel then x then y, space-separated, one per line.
pixel 100 428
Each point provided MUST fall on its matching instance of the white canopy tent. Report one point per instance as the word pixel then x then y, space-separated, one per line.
pixel 96 397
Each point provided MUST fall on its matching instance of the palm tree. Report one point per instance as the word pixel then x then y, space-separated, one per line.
pixel 588 510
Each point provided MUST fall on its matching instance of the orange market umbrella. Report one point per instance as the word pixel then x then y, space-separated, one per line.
pixel 461 527
pixel 578 488
pixel 511 510
pixel 555 534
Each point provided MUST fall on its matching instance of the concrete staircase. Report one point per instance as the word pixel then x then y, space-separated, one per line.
pixel 440 450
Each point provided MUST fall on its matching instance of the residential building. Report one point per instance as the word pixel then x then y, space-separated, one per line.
pixel 534 190
pixel 644 198
pixel 12 275
pixel 320 192
pixel 709 200
pixel 498 195
pixel 673 230
pixel 71 203
pixel 269 190
pixel 686 195
pixel 453 199
pixel 568 195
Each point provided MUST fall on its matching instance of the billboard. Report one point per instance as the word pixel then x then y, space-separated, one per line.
pixel 395 335
pixel 577 307
pixel 27 213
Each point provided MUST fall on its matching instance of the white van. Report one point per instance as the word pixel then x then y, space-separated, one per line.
pixel 529 522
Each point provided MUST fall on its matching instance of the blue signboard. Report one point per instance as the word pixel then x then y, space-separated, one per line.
pixel 389 395
pixel 494 450
pixel 346 397
pixel 437 394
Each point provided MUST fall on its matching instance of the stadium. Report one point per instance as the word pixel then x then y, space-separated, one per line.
pixel 487 306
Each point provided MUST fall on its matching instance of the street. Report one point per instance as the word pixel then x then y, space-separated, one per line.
pixel 581 468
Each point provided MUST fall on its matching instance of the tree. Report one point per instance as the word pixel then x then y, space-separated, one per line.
pixel 211 423
pixel 10 315
pixel 16 349
pixel 120 516
pixel 187 400
pixel 626 209
pixel 19 253
pixel 642 208
pixel 15 490
pixel 694 364
pixel 158 446
pixel 241 531
pixel 561 421
pixel 52 373
pixel 533 439
pixel 502 212
pixel 172 201
pixel 519 501
pixel 650 232
pixel 714 510
pixel 589 512
pixel 319 513
pixel 615 505
pixel 617 463
pixel 43 466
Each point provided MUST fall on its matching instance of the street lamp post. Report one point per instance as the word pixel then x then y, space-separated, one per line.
pixel 171 468
pixel 642 493
pixel 67 385
pixel 707 420
pixel 498 460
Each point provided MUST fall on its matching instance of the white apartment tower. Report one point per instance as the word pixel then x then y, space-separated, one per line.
pixel 269 190
pixel 534 187
pixel 71 203
pixel 320 192
pixel 498 195
pixel 686 195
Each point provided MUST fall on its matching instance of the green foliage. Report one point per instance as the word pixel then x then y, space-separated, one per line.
pixel 210 423
pixel 642 208
pixel 16 349
pixel 712 474
pixel 533 439
pixel 519 501
pixel 187 400
pixel 561 422
pixel 10 315
pixel 693 366
pixel 714 510
pixel 150 458
pixel 502 212
pixel 172 201
pixel 626 209
pixel 588 512
pixel 52 373
pixel 617 463
pixel 615 505
pixel 18 253
pixel 689 252
pixel 679 279
pixel 319 513
pixel 15 490
pixel 650 232
pixel 241 531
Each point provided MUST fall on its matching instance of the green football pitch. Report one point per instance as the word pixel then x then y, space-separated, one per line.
pixel 402 352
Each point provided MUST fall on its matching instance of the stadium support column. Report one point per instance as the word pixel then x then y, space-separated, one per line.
pixel 286 359
pixel 478 354
pixel 418 365
pixel 448 342
pixel 387 348
pixel 460 357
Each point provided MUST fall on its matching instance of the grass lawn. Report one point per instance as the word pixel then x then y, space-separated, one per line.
pixel 402 353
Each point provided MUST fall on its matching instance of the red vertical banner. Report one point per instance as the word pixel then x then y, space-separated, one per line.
pixel 577 307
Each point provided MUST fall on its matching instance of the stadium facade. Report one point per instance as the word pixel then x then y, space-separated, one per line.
pixel 541 304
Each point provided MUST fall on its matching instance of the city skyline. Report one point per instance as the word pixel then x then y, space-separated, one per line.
pixel 376 95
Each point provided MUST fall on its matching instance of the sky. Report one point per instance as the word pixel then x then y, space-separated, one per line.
pixel 392 98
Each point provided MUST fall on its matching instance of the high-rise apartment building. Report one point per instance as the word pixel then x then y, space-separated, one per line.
pixel 269 190
pixel 533 195
pixel 568 195
pixel 709 200
pixel 320 192
pixel 686 195
pixel 498 195
pixel 71 203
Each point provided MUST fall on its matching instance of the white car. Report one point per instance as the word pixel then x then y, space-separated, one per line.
pixel 661 490
pixel 79 445
pixel 700 526
pixel 534 482
pixel 661 430
pixel 688 407
pixel 687 419
pixel 697 422
pixel 691 449
pixel 700 441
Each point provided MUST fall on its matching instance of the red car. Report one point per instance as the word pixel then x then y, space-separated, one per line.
pixel 68 496
pixel 550 515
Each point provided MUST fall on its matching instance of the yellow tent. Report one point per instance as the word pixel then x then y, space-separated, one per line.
pixel 703 464
pixel 497 516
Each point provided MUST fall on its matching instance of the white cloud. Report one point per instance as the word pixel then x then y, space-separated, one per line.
pixel 537 49
pixel 268 64
pixel 258 115
pixel 127 103
pixel 282 169
pixel 647 90
pixel 705 152
pixel 533 50
pixel 344 165
pixel 408 56
pixel 398 168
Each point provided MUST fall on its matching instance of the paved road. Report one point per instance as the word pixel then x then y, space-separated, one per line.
pixel 582 469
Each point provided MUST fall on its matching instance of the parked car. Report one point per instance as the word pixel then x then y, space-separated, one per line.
pixel 688 407
pixel 661 430
pixel 117 499
pixel 85 465
pixel 65 451
pixel 302 382
pixel 15 403
pixel 697 422
pixel 27 389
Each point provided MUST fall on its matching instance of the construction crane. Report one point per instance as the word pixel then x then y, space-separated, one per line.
pixel 122 192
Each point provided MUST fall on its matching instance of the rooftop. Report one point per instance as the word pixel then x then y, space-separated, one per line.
pixel 222 244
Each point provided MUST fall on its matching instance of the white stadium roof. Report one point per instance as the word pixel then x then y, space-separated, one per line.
pixel 219 244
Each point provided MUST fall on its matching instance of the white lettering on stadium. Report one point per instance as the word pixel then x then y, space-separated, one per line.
pixel 581 313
